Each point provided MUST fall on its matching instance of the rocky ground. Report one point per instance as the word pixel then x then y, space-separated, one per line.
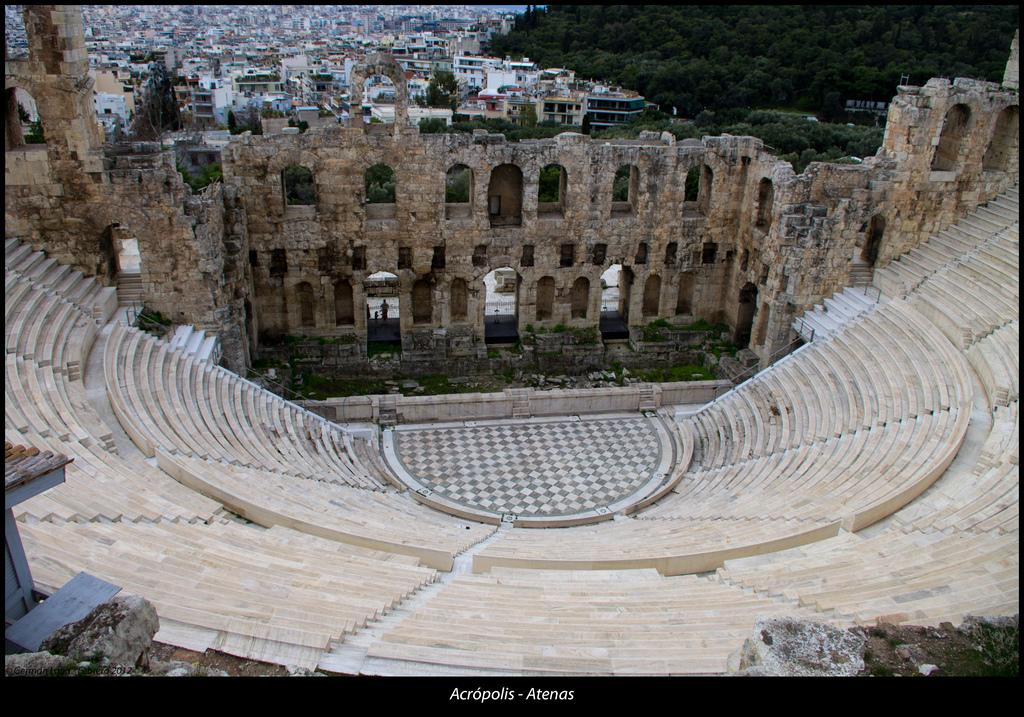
pixel 978 648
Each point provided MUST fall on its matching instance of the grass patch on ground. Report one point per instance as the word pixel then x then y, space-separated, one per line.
pixel 673 373
pixel 376 348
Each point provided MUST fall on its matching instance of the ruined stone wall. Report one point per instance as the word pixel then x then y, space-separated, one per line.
pixel 71 196
pixel 757 247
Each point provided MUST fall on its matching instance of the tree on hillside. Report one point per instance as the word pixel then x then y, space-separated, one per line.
pixel 443 91
pixel 158 112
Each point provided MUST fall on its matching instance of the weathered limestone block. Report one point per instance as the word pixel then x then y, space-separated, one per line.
pixel 788 647
pixel 117 632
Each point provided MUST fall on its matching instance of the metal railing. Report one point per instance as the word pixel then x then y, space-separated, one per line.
pixel 286 392
pixel 136 316
pixel 803 327
pixel 751 372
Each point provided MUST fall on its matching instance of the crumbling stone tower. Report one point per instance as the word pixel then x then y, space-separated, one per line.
pixel 82 201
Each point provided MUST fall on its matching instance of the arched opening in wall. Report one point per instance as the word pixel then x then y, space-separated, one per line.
pixel 344 307
pixel 652 296
pixel 505 196
pixel 954 130
pixel 745 314
pixel 107 262
pixel 422 302
pixel 551 190
pixel 671 251
pixel 1005 141
pixel 641 253
pixel 23 126
pixel 684 299
pixel 379 182
pixel 615 302
pixel 580 298
pixel 873 240
pixel 383 330
pixel 691 191
pixel 458 300
pixel 501 306
pixel 458 192
pixel 250 327
pixel 545 298
pixel 298 186
pixel 707 178
pixel 306 302
pixel 765 200
pixel 762 325
pixel 379 101
pixel 625 186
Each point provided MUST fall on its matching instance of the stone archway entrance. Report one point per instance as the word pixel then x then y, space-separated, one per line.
pixel 745 314
pixel 382 309
pixel 501 306
pixel 616 283
pixel 873 240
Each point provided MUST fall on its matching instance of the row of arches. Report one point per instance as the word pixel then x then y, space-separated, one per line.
pixel 501 318
pixel 957 128
pixel 505 280
pixel 504 192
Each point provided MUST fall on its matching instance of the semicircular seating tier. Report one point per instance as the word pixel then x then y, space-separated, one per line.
pixel 901 425
pixel 251 593
pixel 840 433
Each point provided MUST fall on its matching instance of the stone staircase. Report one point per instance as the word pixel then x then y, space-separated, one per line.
pixel 861 274
pixel 195 341
pixel 388 411
pixel 647 401
pixel 129 289
pixel 520 402
pixel 841 308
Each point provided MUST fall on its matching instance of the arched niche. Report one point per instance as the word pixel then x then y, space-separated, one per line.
pixel 459 300
pixel 954 132
pixel 1005 141
pixel 580 298
pixel 505 196
pixel 422 302
pixel 344 307
pixel 765 201
pixel 545 298
pixel 652 296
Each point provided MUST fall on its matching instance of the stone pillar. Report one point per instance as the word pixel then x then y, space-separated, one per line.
pixel 1010 77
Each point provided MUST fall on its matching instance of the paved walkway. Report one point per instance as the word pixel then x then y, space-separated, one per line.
pixel 547 469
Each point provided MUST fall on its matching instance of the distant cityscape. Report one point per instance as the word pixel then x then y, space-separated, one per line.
pixel 290 65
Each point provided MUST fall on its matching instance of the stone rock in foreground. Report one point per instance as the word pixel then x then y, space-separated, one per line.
pixel 38 664
pixel 118 632
pixel 786 647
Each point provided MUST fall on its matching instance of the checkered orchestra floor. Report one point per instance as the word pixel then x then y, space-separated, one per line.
pixel 545 469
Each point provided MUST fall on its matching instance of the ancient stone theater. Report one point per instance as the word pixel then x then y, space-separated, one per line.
pixel 866 470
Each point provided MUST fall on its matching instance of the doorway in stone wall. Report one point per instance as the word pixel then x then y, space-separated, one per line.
pixel 615 285
pixel 745 314
pixel 383 328
pixel 501 306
